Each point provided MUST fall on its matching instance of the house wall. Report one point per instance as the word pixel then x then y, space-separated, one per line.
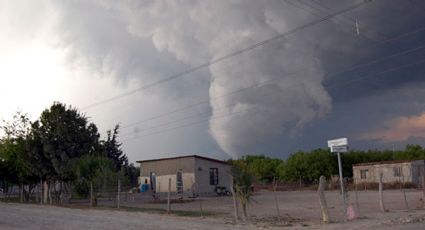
pixel 167 169
pixel 202 176
pixel 409 172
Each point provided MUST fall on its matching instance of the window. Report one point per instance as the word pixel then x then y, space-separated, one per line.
pixel 213 176
pixel 364 173
pixel 397 171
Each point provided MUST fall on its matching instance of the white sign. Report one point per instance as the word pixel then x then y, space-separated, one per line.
pixel 339 149
pixel 338 142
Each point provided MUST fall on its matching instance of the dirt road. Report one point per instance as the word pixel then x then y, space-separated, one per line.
pixel 26 216
pixel 298 210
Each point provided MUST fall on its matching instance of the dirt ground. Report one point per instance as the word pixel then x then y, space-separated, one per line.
pixel 297 210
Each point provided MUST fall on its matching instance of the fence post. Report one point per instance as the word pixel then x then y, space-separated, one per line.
pixel 91 194
pixel 235 202
pixel 275 196
pixel 118 193
pixel 41 191
pixel 404 194
pixel 357 199
pixel 381 193
pixel 168 197
pixel 322 199
pixel 423 189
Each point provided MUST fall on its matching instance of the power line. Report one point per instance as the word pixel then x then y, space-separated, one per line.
pixel 350 69
pixel 247 111
pixel 228 56
pixel 311 11
pixel 211 99
pixel 344 16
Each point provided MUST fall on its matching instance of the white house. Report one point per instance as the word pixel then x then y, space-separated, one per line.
pixel 392 171
pixel 188 174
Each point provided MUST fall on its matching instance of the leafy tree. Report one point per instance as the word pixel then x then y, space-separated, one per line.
pixel 14 165
pixel 264 168
pixel 65 136
pixel 113 150
pixel 242 181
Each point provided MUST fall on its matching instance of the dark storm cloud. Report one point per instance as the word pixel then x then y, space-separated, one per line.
pixel 150 40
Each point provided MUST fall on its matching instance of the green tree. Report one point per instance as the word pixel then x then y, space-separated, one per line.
pixel 14 164
pixel 242 182
pixel 66 135
pixel 112 149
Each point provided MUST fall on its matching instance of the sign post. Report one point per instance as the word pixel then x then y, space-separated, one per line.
pixel 339 146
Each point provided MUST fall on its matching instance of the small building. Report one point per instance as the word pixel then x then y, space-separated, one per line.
pixel 188 174
pixel 405 171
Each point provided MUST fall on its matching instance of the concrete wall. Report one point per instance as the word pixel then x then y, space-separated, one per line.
pixel 202 176
pixel 167 166
pixel 166 169
pixel 195 174
pixel 409 172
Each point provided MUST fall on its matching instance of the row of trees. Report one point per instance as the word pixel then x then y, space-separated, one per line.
pixel 309 166
pixel 61 150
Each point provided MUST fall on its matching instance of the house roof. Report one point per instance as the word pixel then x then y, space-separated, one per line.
pixel 187 156
pixel 383 162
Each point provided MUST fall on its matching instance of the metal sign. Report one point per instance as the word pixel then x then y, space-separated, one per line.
pixel 338 142
pixel 339 146
pixel 339 149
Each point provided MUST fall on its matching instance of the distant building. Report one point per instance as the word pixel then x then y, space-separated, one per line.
pixel 392 171
pixel 189 174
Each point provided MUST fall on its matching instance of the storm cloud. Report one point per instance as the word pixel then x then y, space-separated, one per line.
pixel 292 93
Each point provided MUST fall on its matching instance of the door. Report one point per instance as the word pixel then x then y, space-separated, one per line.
pixel 152 177
pixel 179 182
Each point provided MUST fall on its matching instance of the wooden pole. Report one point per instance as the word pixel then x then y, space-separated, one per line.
pixel 404 194
pixel 275 196
pixel 168 197
pixel 322 199
pixel 41 191
pixel 423 189
pixel 235 202
pixel 381 193
pixel 45 192
pixel 91 194
pixel 357 199
pixel 118 193
pixel 200 207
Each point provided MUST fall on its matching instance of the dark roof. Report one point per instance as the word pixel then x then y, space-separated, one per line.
pixel 187 156
pixel 383 162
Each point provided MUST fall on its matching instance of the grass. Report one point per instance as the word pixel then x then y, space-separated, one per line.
pixel 145 210
pixel 10 199
pixel 161 211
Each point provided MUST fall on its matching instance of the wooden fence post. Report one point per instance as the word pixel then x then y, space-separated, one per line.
pixel 423 190
pixel 118 193
pixel 322 199
pixel 169 196
pixel 381 193
pixel 91 194
pixel 275 196
pixel 357 199
pixel 235 202
pixel 404 194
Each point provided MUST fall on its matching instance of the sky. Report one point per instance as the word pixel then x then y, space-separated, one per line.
pixel 221 78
